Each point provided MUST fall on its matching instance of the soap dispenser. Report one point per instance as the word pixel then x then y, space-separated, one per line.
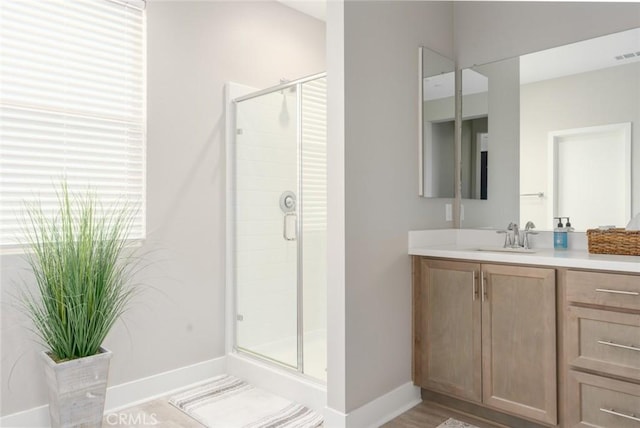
pixel 567 228
pixel 560 236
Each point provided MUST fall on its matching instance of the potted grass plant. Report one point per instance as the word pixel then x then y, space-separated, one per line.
pixel 82 266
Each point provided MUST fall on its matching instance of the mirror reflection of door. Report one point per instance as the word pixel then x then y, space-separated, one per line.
pixel 482 173
pixel 591 175
pixel 474 131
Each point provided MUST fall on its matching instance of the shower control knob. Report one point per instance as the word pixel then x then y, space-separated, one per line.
pixel 288 201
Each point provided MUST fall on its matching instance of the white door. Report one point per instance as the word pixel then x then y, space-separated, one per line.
pixel 592 175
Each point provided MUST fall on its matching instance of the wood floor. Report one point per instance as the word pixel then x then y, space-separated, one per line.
pixel 160 414
pixel 429 415
pixel 157 413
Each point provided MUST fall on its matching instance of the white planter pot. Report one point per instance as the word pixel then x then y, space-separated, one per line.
pixel 77 390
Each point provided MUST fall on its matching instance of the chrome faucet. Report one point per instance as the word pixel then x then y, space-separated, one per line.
pixel 511 235
pixel 528 230
pixel 516 238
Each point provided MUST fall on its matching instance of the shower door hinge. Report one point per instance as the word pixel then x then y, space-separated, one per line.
pixel 239 317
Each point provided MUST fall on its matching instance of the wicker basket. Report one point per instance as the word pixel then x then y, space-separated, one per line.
pixel 614 241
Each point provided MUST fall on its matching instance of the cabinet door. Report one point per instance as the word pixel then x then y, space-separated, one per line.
pixel 519 341
pixel 450 331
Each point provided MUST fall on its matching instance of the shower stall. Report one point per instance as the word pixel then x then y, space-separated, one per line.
pixel 277 221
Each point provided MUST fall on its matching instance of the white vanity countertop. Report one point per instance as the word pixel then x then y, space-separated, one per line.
pixel 463 244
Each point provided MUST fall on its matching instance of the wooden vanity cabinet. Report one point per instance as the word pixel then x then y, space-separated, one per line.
pixel 487 334
pixel 602 349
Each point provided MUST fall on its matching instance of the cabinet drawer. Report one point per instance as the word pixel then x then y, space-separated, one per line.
pixel 596 401
pixel 604 341
pixel 614 290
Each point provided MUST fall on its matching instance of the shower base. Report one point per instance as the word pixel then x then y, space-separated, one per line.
pixel 314 353
pixel 273 378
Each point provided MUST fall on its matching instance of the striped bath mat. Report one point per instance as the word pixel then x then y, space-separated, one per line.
pixel 228 402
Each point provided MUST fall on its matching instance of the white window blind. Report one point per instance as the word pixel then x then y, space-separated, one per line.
pixel 72 104
pixel 314 154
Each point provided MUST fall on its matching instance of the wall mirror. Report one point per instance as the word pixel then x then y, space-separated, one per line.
pixel 437 143
pixel 579 105
pixel 579 131
pixel 437 125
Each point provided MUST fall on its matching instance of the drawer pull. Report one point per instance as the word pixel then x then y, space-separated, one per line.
pixel 628 293
pixel 622 415
pixel 617 345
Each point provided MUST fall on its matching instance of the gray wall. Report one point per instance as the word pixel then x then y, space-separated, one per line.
pixel 193 49
pixel 381 42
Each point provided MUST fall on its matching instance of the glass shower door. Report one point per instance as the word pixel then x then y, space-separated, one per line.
pixel 266 225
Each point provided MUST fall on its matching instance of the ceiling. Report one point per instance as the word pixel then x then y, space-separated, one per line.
pixel 588 55
pixel 315 8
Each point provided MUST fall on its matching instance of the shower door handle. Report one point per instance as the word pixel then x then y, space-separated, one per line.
pixel 290 226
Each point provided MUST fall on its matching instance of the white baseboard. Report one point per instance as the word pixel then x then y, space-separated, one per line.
pixel 376 412
pixel 373 414
pixel 334 418
pixel 131 393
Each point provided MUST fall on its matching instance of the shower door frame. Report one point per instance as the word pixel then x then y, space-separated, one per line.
pixel 231 306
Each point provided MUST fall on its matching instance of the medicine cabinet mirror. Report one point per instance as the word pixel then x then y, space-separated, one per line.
pixel 437 143
pixel 437 125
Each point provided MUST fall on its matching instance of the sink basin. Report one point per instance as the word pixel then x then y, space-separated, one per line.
pixel 507 250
